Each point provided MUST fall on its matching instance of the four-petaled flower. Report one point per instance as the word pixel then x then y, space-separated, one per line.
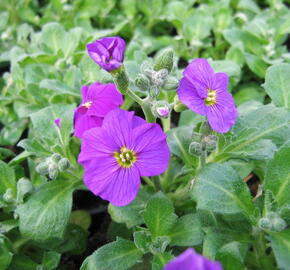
pixel 97 100
pixel 117 154
pixel 205 93
pixel 107 52
pixel 190 260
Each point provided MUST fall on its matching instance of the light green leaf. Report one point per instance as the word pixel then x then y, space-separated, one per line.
pixel 280 243
pixel 45 214
pixel 118 255
pixel 186 231
pixel 256 64
pixel 225 191
pixel 51 260
pixel 33 146
pixel 5 253
pixel 160 260
pixel 159 215
pixel 59 87
pixel 7 178
pixel 277 84
pixel 277 178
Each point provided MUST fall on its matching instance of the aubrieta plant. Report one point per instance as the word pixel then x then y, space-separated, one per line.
pixel 145 135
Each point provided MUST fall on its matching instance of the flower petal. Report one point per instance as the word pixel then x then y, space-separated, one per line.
pixel 221 81
pixel 201 75
pixel 104 97
pixel 83 122
pixel 119 50
pixel 118 124
pixel 187 94
pixel 117 185
pixel 151 149
pixel 96 50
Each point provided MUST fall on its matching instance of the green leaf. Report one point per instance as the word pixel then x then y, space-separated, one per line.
pixel 43 120
pixel 22 262
pixel 160 260
pixel 256 64
pixel 219 189
pixel 249 92
pixel 33 146
pixel 5 253
pixel 130 214
pixel 277 178
pixel 280 243
pixel 81 218
pixel 277 83
pixel 186 231
pixel 253 135
pixel 46 213
pixel 178 140
pixel 50 260
pixel 7 178
pixel 159 215
pixel 189 118
pixel 59 87
pixel 118 255
pixel 142 240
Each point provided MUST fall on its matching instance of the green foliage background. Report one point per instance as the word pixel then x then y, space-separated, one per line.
pixel 44 63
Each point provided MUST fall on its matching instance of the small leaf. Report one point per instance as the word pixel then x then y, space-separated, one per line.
pixel 33 146
pixel 159 215
pixel 118 255
pixel 7 178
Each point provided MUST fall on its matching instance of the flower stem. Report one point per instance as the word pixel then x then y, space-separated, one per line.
pixel 156 182
pixel 166 123
pixel 205 130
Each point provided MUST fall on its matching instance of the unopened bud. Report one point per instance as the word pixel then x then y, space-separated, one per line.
pixel 265 223
pixel 63 164
pixel 161 109
pixel 121 79
pixel 8 196
pixel 146 68
pixel 196 137
pixel 171 83
pixel 42 168
pixel 195 149
pixel 52 170
pixel 142 82
pixel 210 142
pixel 159 77
pixel 154 91
pixel 60 64
pixel 164 60
pixel 279 224
pixel 55 157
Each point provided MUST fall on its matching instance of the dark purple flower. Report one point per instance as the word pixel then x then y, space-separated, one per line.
pixel 97 100
pixel 107 52
pixel 117 154
pixel 205 93
pixel 190 260
pixel 57 122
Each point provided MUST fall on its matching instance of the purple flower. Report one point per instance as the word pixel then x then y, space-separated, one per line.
pixel 97 100
pixel 107 52
pixel 118 153
pixel 205 93
pixel 190 260
pixel 57 122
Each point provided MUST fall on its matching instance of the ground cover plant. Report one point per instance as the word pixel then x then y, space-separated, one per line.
pixel 144 135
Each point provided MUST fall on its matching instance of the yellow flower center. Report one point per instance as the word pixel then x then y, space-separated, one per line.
pixel 87 104
pixel 211 98
pixel 125 157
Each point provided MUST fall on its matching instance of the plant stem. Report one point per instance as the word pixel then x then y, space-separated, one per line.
pixel 156 182
pixel 166 123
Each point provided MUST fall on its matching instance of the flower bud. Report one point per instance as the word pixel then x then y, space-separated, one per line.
pixel 265 223
pixel 146 68
pixel 60 64
pixel 142 82
pixel 42 168
pixel 63 164
pixel 121 79
pixel 159 78
pixel 196 137
pixel 164 60
pixel 210 142
pixel 195 149
pixel 279 224
pixel 171 83
pixel 52 170
pixel 8 196
pixel 154 91
pixel 161 109
pixel 55 157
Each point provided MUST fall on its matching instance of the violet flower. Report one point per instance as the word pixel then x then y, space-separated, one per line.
pixel 190 260
pixel 97 100
pixel 117 154
pixel 205 93
pixel 107 52
pixel 57 122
